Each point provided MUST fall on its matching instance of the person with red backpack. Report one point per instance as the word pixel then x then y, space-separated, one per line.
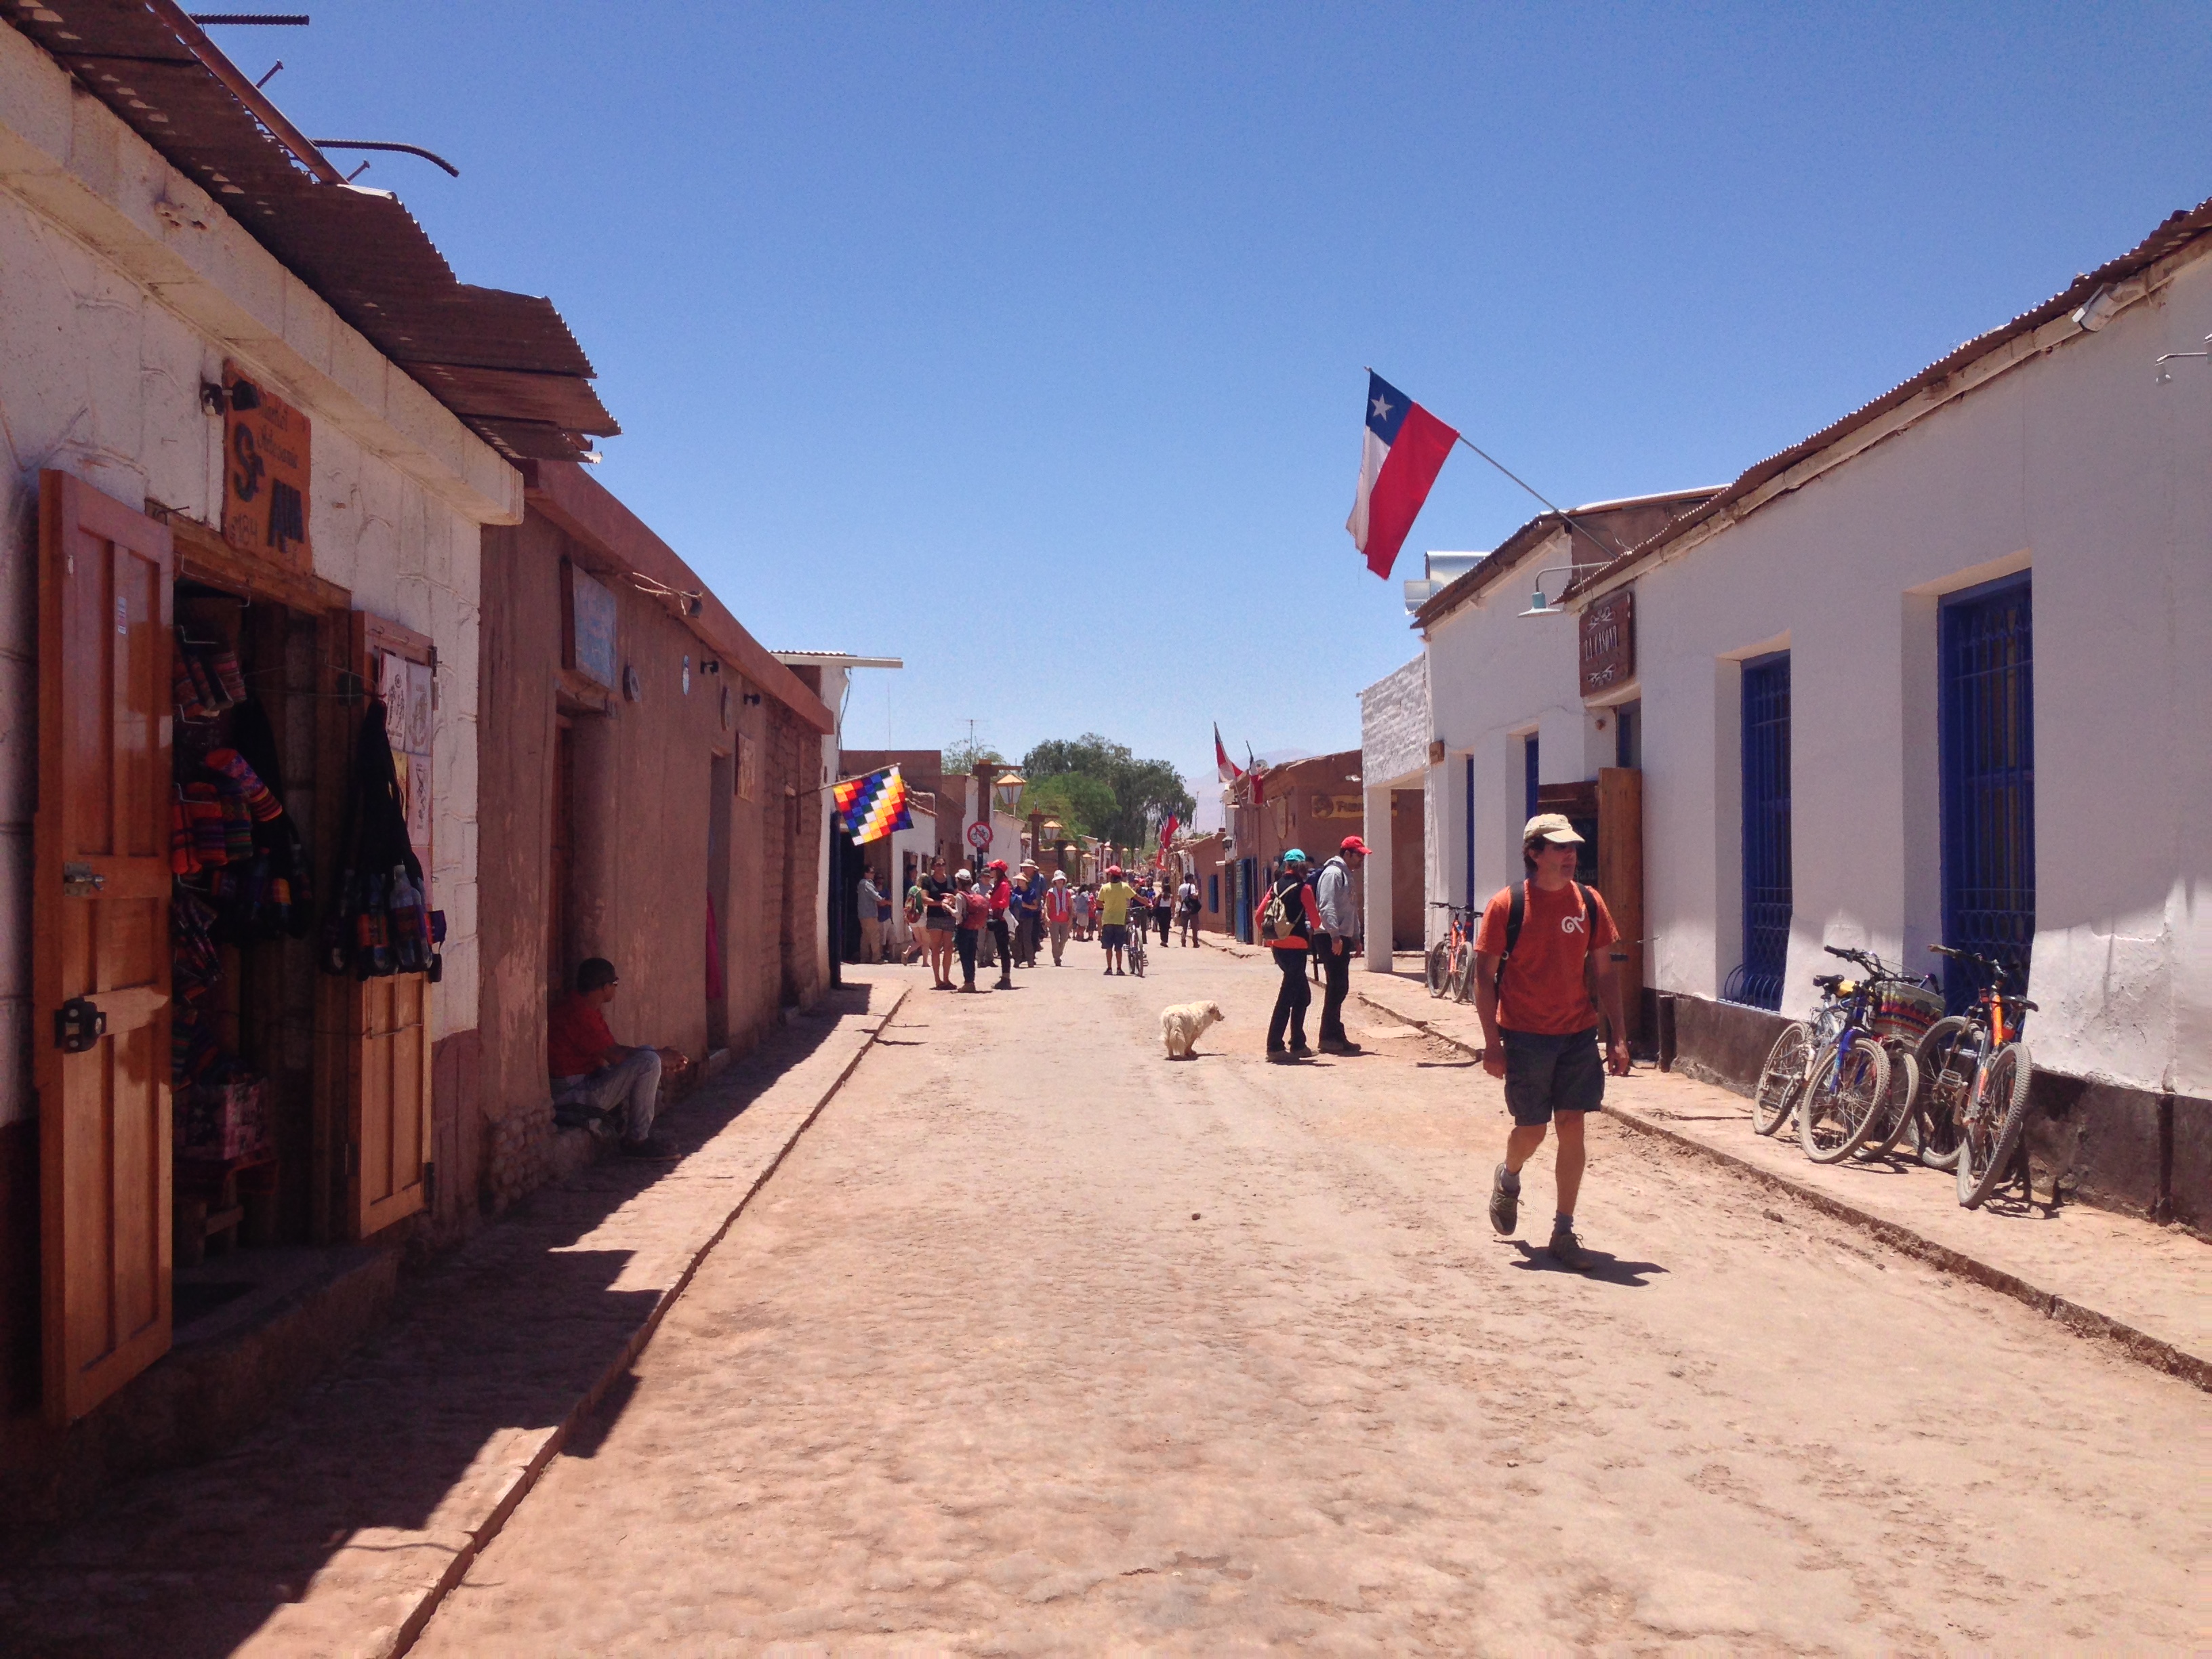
pixel 1543 963
pixel 1289 920
pixel 1002 896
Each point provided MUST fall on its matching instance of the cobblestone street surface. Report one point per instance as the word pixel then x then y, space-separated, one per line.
pixel 1037 1342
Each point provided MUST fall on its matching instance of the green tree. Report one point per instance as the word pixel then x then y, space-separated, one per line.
pixel 960 757
pixel 1137 785
pixel 1081 802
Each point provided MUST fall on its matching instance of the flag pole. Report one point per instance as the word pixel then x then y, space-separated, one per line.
pixel 1557 510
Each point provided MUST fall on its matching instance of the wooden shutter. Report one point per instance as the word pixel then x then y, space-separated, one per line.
pixel 384 1024
pixel 101 919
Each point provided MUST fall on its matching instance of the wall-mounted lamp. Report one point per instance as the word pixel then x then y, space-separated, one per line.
pixel 1538 604
pixel 752 699
pixel 2165 374
pixel 240 394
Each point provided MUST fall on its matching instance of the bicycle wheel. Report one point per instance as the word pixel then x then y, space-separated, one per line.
pixel 1947 1056
pixel 1992 1129
pixel 1439 967
pixel 1462 974
pixel 1782 1079
pixel 1897 1111
pixel 1840 1105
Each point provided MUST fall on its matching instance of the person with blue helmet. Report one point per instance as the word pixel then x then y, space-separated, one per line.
pixel 1289 921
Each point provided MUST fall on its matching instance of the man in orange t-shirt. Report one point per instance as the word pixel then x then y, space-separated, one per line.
pixel 1539 1027
pixel 589 1070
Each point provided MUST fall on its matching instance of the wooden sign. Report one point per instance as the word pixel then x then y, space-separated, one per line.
pixel 748 768
pixel 1326 806
pixel 266 454
pixel 591 629
pixel 1609 642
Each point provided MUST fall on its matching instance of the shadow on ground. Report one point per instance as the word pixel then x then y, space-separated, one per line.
pixel 505 1335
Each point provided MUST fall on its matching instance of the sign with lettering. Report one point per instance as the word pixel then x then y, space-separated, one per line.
pixel 1609 642
pixel 1326 806
pixel 265 473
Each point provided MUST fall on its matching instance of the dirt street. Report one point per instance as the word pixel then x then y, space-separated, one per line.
pixel 1039 1341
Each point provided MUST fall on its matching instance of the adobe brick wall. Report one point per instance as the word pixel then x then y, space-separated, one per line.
pixel 644 787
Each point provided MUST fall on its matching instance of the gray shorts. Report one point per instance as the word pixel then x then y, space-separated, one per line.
pixel 1546 1074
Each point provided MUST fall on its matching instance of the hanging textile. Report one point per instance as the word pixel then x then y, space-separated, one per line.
pixel 377 923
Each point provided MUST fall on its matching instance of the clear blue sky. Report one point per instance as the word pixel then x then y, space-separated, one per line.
pixel 1025 342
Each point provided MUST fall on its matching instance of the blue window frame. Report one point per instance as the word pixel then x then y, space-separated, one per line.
pixel 1988 763
pixel 1766 878
pixel 1467 817
pixel 1528 773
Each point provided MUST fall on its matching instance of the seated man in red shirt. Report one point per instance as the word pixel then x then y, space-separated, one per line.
pixel 591 1069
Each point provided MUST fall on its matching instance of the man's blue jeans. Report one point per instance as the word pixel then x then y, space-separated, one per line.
pixel 634 1083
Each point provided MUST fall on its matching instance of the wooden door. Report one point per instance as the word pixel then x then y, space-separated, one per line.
pixel 100 922
pixel 384 1024
pixel 1620 879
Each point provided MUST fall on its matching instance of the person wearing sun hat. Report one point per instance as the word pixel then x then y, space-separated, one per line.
pixel 1543 966
pixel 1115 899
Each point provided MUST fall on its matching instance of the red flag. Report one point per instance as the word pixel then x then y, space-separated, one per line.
pixel 1403 450
pixel 1226 768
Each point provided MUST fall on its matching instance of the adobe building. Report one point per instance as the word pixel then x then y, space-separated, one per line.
pixel 648 775
pixel 256 428
pixel 1311 803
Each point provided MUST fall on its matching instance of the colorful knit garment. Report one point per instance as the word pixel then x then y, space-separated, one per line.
pixel 263 805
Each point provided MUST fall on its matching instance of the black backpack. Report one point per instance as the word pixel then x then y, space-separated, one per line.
pixel 1516 912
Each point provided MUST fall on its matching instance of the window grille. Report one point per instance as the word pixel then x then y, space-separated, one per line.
pixel 1988 737
pixel 1766 878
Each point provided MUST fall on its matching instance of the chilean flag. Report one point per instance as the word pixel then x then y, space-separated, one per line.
pixel 1226 768
pixel 1404 449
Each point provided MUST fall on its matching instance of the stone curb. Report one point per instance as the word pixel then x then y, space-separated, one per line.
pixel 411 1628
pixel 2139 1345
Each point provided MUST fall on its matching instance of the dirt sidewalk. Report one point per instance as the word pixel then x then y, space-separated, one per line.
pixel 332 1530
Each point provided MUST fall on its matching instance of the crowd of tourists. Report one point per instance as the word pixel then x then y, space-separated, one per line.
pixel 1006 917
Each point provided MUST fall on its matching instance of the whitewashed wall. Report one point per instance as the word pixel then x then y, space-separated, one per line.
pixel 1393 754
pixel 1495 676
pixel 2074 464
pixel 122 288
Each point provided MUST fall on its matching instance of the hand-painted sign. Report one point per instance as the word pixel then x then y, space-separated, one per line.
pixel 265 475
pixel 1609 642
pixel 591 626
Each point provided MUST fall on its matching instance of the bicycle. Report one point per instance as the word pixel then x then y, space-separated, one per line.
pixel 1979 1074
pixel 1135 957
pixel 1451 958
pixel 1833 1072
pixel 1904 1010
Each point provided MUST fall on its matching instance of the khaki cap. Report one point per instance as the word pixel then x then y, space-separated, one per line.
pixel 1552 827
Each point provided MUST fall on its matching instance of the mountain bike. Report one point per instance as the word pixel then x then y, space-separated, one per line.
pixel 1843 1098
pixel 1903 1011
pixel 1135 956
pixel 1451 958
pixel 1979 1077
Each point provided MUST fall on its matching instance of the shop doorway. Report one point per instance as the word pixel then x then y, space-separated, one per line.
pixel 214 1097
pixel 721 788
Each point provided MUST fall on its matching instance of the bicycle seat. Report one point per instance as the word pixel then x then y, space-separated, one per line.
pixel 1827 981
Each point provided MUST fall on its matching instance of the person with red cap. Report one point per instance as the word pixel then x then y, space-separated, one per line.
pixel 1115 899
pixel 1002 896
pixel 1337 895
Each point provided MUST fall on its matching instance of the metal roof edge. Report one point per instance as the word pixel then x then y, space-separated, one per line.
pixel 586 510
pixel 2186 229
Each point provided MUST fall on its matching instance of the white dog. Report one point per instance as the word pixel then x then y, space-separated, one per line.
pixel 1183 1025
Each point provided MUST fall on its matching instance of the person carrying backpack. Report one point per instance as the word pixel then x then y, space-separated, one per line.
pixel 1288 921
pixel 1542 964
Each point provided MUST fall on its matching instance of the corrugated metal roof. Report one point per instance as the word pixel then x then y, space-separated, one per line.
pixel 2179 228
pixel 505 363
